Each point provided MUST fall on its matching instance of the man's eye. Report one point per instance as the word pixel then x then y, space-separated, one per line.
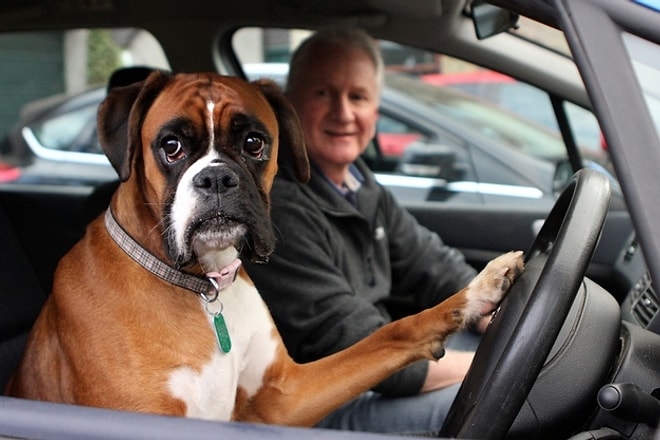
pixel 255 146
pixel 321 93
pixel 172 148
pixel 356 97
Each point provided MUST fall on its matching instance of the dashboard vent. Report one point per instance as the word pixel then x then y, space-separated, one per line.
pixel 645 304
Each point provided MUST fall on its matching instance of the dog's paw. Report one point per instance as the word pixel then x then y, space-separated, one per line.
pixel 488 288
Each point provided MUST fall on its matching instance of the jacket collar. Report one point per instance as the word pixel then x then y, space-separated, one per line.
pixel 329 199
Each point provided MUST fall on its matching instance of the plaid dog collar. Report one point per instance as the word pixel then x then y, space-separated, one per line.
pixel 208 287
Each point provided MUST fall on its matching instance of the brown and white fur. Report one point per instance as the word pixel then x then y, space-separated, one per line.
pixel 197 155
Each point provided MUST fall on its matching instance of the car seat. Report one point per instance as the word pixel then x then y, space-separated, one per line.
pixel 32 242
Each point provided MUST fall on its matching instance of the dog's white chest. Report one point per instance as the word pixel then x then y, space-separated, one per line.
pixel 211 392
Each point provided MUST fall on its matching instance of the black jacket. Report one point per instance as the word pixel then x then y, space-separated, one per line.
pixel 338 273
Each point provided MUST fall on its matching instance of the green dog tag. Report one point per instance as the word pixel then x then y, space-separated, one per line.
pixel 221 331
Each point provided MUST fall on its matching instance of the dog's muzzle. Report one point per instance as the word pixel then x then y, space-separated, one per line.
pixel 217 207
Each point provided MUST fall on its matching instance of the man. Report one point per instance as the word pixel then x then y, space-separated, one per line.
pixel 347 253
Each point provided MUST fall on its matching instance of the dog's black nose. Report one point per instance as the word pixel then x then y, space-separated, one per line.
pixel 216 179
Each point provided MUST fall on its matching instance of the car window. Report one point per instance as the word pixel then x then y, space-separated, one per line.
pixel 54 83
pixel 486 128
pixel 525 101
pixel 68 131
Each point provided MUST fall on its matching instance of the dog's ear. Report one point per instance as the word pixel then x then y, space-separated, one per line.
pixel 120 118
pixel 292 153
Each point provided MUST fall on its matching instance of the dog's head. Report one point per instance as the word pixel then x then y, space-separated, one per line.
pixel 203 150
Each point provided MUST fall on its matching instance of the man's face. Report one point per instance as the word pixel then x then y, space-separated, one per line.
pixel 337 99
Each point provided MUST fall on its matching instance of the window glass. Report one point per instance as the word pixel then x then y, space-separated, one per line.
pixel 530 105
pixel 645 57
pixel 68 131
pixel 394 134
pixel 54 83
pixel 541 35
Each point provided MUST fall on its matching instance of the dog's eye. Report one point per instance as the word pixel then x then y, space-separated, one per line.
pixel 172 148
pixel 255 146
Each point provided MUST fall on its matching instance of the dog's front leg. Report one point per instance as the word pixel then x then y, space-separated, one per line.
pixel 295 394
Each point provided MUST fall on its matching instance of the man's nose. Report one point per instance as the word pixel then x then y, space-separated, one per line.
pixel 341 108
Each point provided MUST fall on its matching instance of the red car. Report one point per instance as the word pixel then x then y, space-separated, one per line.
pixel 8 173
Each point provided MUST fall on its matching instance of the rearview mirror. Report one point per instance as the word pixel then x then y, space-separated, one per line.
pixel 490 20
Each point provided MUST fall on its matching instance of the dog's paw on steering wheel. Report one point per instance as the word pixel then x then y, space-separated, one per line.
pixel 488 288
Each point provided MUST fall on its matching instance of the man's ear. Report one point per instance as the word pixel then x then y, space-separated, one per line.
pixel 292 152
pixel 120 117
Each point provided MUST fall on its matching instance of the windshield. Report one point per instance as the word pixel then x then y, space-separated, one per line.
pixel 541 35
pixel 645 59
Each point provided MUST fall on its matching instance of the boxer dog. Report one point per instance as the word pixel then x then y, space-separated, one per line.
pixel 151 311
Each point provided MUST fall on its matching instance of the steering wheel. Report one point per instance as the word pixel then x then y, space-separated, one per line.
pixel 513 350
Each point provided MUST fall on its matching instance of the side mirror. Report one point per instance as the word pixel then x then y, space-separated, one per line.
pixel 429 160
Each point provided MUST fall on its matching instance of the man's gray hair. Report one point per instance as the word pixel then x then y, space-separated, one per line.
pixel 338 37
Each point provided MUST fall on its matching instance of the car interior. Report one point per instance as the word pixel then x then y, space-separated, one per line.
pixel 587 299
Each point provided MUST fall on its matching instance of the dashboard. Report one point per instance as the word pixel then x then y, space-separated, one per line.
pixel 640 306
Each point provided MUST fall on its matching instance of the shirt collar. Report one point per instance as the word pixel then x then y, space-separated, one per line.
pixel 354 179
pixel 351 183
